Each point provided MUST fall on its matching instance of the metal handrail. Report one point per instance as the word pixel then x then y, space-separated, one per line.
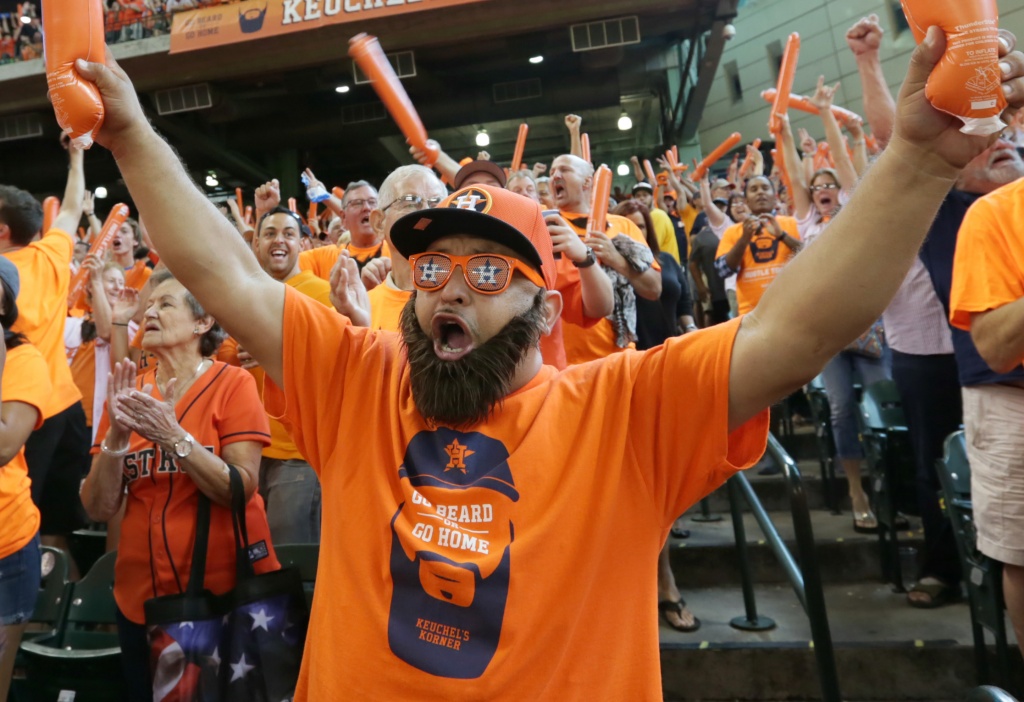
pixel 806 581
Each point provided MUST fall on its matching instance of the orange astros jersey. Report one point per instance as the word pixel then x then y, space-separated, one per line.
pixel 155 552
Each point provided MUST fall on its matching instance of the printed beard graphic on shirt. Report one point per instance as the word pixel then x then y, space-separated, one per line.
pixel 450 553
pixel 764 247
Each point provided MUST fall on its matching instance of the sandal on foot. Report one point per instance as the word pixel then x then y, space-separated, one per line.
pixel 865 522
pixel 678 533
pixel 938 594
pixel 666 606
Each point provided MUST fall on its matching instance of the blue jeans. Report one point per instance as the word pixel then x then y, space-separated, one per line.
pixel 291 491
pixel 838 377
pixel 19 583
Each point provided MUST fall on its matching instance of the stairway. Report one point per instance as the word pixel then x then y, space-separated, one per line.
pixel 885 650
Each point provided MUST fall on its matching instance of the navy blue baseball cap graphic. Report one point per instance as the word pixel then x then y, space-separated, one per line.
pixel 450 552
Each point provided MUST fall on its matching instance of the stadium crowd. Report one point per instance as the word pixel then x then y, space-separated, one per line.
pixel 348 363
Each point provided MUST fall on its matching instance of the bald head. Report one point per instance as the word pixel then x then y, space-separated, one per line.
pixel 571 181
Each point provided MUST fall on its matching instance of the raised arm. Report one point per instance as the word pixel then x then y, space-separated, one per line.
pixel 70 213
pixel 822 99
pixel 798 177
pixel 198 244
pixel 445 164
pixel 811 312
pixel 572 123
pixel 864 39
pixel 716 218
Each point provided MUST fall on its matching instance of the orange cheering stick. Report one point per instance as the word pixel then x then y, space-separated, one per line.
pixel 745 166
pixel 804 104
pixel 718 153
pixel 780 162
pixel 248 215
pixel 517 156
pixel 238 198
pixel 599 204
pixel 115 219
pixel 649 170
pixel 675 153
pixel 786 74
pixel 585 146
pixel 366 52
pixel 311 213
pixel 293 205
pixel 51 206
pixel 823 157
pixel 72 30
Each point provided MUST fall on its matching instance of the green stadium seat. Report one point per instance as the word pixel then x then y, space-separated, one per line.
pixel 890 458
pixel 82 655
pixel 821 415
pixel 983 576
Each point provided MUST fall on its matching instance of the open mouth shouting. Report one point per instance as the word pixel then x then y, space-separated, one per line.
pixel 452 339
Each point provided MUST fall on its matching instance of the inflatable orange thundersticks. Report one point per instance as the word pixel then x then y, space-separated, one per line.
pixel 366 52
pixel 517 156
pixel 51 207
pixel 72 30
pixel 786 74
pixel 599 201
pixel 804 104
pixel 585 147
pixel 720 151
pixel 967 82
pixel 115 219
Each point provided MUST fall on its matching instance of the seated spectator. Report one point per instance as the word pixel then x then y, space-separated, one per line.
pixel 157 458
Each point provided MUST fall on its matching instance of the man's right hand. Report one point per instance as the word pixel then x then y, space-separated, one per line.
pixel 751 227
pixel 564 240
pixel 123 119
pixel 866 36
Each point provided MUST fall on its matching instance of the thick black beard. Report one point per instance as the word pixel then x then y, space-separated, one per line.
pixel 462 393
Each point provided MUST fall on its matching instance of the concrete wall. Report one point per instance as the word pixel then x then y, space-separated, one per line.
pixel 822 25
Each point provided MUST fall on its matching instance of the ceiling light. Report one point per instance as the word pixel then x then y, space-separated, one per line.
pixel 623 169
pixel 625 123
pixel 536 59
pixel 211 181
pixel 341 89
pixel 25 19
pixel 100 192
pixel 483 138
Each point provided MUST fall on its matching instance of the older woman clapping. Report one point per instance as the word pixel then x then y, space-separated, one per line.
pixel 165 437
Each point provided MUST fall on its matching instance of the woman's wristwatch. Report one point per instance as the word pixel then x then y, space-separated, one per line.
pixel 590 260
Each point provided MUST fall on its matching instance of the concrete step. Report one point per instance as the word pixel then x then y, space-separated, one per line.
pixel 709 557
pixel 885 650
pixel 772 490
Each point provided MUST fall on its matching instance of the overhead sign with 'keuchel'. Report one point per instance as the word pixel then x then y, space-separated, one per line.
pixel 257 19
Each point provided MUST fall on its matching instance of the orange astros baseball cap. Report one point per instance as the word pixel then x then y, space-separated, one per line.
pixel 486 212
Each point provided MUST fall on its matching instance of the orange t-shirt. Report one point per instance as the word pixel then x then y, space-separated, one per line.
pixel 155 552
pixel 45 270
pixel 386 305
pixel 597 338
pixel 26 379
pixel 83 370
pixel 320 261
pixel 449 572
pixel 136 276
pixel 762 261
pixel 988 268
pixel 281 445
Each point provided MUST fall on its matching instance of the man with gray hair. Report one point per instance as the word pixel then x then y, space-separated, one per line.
pixel 389 280
pixel 354 208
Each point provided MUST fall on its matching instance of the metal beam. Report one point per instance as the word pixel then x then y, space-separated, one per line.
pixel 698 96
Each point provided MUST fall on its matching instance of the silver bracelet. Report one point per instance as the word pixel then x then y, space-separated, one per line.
pixel 116 454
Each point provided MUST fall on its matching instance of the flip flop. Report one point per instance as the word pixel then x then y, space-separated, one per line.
pixel 665 606
pixel 865 522
pixel 939 594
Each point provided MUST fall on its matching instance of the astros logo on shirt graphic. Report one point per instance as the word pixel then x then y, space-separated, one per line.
pixel 450 552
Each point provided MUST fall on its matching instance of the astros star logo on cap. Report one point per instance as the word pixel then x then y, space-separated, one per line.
pixel 472 199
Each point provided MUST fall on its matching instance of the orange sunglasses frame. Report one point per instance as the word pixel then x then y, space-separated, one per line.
pixel 462 261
